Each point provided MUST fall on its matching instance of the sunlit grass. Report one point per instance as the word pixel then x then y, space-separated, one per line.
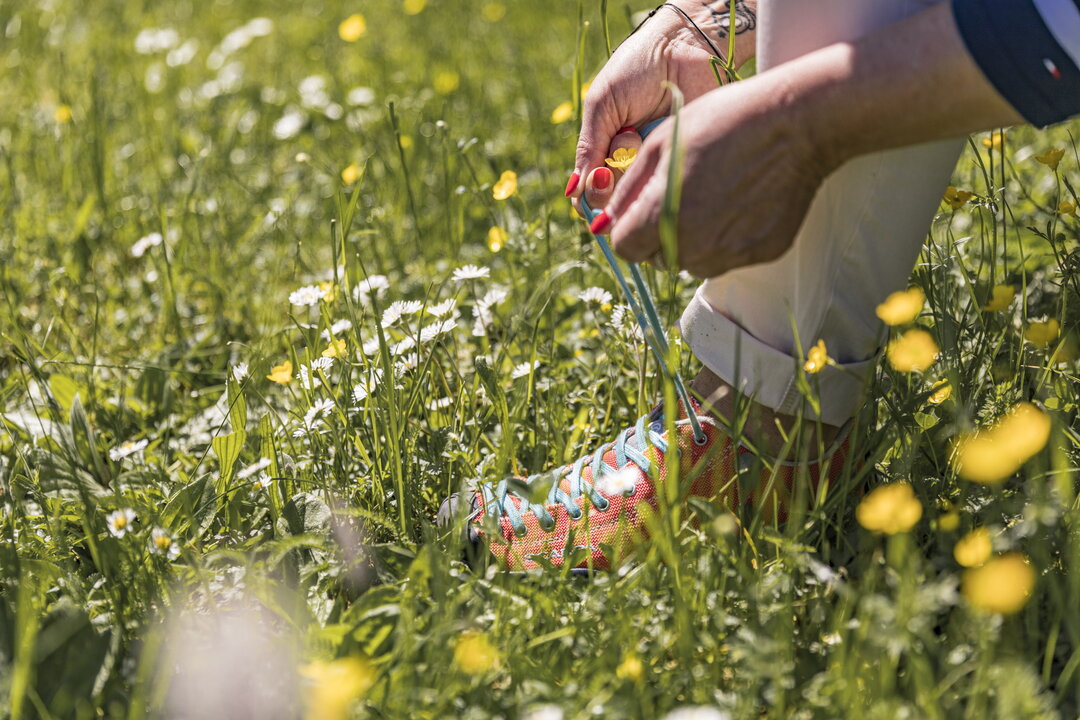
pixel 276 280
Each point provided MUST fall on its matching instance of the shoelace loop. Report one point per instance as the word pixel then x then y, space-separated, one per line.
pixel 630 446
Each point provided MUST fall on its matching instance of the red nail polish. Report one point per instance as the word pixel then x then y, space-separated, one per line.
pixel 572 183
pixel 628 128
pixel 600 223
pixel 602 178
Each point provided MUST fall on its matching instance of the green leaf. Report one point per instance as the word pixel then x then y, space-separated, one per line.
pixel 193 504
pixel 926 420
pixel 237 406
pixel 85 442
pixel 227 449
pixel 64 390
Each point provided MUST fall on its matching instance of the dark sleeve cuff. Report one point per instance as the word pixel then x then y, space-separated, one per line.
pixel 1020 57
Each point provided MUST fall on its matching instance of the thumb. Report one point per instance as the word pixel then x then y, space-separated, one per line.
pixel 600 122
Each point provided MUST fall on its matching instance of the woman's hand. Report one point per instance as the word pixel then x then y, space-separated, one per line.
pixel 749 174
pixel 757 151
pixel 629 91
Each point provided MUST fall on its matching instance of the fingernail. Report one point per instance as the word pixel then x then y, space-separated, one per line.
pixel 571 184
pixel 602 178
pixel 628 128
pixel 600 223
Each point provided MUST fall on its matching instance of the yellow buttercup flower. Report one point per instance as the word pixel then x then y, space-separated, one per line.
pixel 914 351
pixel 413 7
pixel 1002 585
pixel 62 114
pixel 941 392
pixel 1001 296
pixel 493 12
pixel 474 654
pixel 329 290
pixel 352 28
pixel 496 238
pixel 889 509
pixel 562 113
pixel 991 455
pixel 506 186
pixel 446 82
pixel 1051 158
pixel 334 349
pixel 281 374
pixel 816 358
pixel 901 307
pixel 974 549
pixel 332 687
pixel 949 521
pixel 1041 334
pixel 631 668
pixel 995 140
pixel 350 174
pixel 622 158
pixel 956 198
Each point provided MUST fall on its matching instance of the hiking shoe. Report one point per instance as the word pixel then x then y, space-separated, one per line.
pixel 593 515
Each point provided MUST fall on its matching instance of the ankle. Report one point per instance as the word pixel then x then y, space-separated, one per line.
pixel 765 428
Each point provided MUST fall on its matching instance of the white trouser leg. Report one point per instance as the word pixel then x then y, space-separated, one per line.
pixel 858 243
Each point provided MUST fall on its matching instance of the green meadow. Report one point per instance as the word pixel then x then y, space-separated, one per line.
pixel 261 312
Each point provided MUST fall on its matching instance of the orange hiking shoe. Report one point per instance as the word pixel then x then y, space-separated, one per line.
pixel 595 506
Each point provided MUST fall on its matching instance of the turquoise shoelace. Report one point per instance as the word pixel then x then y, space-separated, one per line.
pixel 630 446
pixel 499 501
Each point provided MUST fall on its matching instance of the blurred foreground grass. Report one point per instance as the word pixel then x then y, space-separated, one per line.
pixel 199 195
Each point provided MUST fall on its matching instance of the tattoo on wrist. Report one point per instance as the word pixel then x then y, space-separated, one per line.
pixel 745 19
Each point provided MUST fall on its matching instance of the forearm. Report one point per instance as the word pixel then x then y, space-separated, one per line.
pixel 908 83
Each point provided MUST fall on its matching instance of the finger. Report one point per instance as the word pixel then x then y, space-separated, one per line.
pixel 599 124
pixel 627 139
pixel 599 185
pixel 635 235
pixel 631 185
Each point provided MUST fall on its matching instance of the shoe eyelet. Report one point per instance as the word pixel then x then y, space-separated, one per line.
pixel 522 533
pixel 605 506
pixel 547 526
pixel 576 516
pixel 703 441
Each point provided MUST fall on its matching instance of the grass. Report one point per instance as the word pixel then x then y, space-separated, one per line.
pixel 314 581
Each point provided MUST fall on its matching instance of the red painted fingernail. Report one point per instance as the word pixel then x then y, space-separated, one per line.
pixel 628 128
pixel 571 184
pixel 602 178
pixel 600 223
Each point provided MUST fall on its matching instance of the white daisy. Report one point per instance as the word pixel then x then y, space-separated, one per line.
pixel 120 521
pixel 162 543
pixel 524 369
pixel 600 296
pixel 399 349
pixel 306 296
pixel 240 371
pixel 435 329
pixel 323 407
pixel 470 272
pixel 439 403
pixel 140 246
pixel 482 314
pixel 399 309
pixel 444 308
pixel 122 450
pixel 338 328
pixel 367 385
pixel 370 347
pixel 407 363
pixel 371 285
pixel 620 482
